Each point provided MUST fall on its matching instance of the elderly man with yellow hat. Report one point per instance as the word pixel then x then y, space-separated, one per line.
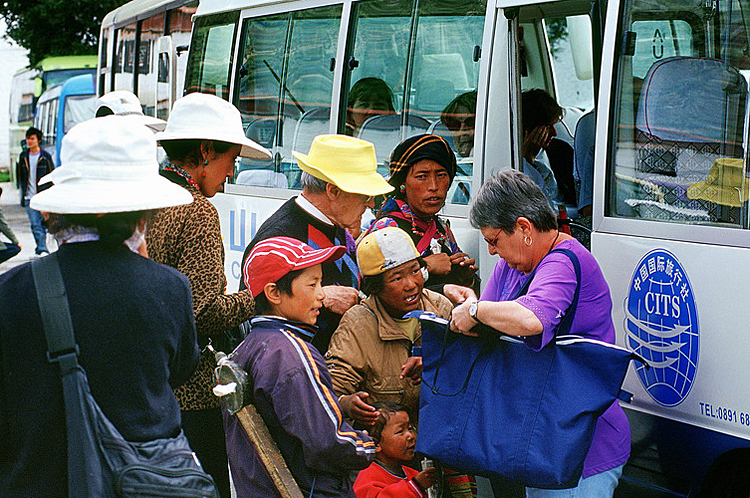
pixel 339 181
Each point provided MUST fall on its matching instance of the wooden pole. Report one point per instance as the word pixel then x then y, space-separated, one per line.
pixel 269 453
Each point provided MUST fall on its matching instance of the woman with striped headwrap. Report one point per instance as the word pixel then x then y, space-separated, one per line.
pixel 422 169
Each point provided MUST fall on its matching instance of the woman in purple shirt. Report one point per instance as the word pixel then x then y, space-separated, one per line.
pixel 520 227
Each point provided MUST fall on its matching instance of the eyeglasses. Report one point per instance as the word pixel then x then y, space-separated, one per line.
pixel 492 242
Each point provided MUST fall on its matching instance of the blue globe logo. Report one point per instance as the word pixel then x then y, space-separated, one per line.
pixel 661 325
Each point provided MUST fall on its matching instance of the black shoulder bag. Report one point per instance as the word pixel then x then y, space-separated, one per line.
pixel 101 463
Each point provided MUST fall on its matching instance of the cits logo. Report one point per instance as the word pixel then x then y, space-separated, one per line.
pixel 661 323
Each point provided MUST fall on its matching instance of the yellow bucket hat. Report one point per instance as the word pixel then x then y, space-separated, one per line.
pixel 384 249
pixel 347 162
pixel 725 184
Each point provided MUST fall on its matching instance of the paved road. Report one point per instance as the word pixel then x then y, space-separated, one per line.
pixel 18 221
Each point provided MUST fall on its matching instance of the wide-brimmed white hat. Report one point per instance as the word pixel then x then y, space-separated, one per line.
pixel 125 103
pixel 201 116
pixel 108 165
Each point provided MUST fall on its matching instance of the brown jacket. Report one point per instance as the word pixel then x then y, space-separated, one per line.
pixel 369 347
pixel 188 238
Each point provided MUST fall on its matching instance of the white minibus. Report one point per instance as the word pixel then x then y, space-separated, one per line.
pixel 655 94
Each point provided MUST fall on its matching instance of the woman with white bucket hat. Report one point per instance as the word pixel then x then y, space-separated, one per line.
pixel 203 137
pixel 131 316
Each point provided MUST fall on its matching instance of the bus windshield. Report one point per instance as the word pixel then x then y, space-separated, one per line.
pixel 52 78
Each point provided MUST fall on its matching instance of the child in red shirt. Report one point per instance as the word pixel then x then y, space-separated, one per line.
pixel 395 440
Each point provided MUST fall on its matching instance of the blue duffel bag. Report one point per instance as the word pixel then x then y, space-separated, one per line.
pixel 493 407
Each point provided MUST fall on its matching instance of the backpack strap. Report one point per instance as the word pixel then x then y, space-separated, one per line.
pixel 55 312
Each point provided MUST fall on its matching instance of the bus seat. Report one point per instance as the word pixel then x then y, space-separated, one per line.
pixel 311 124
pixel 689 103
pixel 262 178
pixel 690 112
pixel 385 132
pixel 583 159
pixel 438 128
pixel 434 94
pixel 262 131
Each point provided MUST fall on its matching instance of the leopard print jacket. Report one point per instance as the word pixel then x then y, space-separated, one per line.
pixel 188 238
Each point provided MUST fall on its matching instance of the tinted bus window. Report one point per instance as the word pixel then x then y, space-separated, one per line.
pixel 125 58
pixel 284 89
pixel 416 72
pixel 77 110
pixel 574 79
pixel 681 115
pixel 151 30
pixel 211 64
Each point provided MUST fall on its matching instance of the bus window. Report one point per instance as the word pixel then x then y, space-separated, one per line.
pixel 377 70
pixel 443 80
pixel 151 30
pixel 125 57
pixel 78 108
pixel 573 74
pixel 680 116
pixel 179 26
pixel 209 70
pixel 416 75
pixel 284 89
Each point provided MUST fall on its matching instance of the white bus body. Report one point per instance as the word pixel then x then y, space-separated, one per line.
pixel 159 32
pixel 670 214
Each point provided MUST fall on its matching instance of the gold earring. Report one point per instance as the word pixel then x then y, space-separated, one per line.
pixel 527 240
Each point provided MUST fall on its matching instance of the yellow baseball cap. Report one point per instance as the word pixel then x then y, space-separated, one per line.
pixel 383 250
pixel 347 162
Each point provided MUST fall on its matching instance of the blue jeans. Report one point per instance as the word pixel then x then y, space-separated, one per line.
pixel 37 229
pixel 600 485
pixel 9 251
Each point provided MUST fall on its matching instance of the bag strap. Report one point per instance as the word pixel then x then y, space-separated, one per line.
pixel 53 305
pixel 564 326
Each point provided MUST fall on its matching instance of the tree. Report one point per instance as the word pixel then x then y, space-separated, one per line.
pixel 56 27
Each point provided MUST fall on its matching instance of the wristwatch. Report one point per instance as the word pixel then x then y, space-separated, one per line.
pixel 473 308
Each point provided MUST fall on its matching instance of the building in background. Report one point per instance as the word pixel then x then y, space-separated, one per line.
pixel 14 58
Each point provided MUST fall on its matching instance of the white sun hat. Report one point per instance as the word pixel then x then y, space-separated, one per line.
pixel 108 165
pixel 201 116
pixel 125 103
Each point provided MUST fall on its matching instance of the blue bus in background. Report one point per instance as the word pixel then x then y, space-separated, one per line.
pixel 61 108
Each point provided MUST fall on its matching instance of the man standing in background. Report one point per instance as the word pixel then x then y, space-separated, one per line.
pixel 33 164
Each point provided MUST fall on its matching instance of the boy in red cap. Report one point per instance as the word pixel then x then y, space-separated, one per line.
pixel 290 384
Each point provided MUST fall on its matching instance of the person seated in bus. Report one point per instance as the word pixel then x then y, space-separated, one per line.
pixel 33 164
pixel 291 387
pixel 368 97
pixel 539 114
pixel 459 117
pixel 422 169
pixel 339 181
pixel 125 103
pixel 517 223
pixel 389 476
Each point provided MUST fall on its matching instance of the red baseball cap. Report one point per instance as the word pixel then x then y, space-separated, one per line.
pixel 273 258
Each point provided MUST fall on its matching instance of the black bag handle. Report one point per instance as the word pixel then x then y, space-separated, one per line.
pixel 55 311
pixel 562 328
